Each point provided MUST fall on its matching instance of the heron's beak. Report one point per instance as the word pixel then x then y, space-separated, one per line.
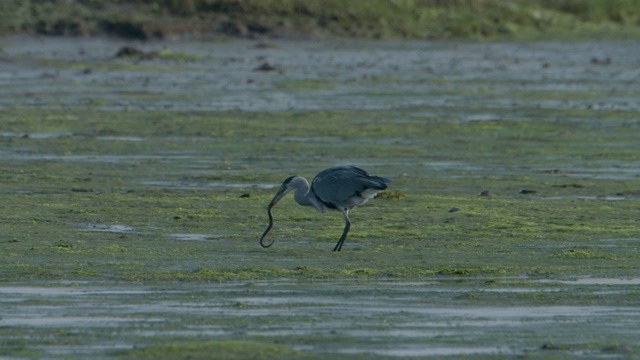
pixel 282 192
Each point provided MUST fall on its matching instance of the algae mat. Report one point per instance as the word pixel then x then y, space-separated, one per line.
pixel 135 187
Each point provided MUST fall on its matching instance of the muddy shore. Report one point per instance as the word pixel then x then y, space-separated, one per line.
pixel 135 188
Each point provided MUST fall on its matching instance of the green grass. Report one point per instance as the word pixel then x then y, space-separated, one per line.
pixel 426 19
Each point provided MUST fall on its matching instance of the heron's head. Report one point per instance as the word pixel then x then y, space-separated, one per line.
pixel 287 186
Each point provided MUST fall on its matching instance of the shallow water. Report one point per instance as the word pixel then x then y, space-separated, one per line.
pixel 416 319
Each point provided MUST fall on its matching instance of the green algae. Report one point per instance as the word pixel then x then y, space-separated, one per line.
pixel 63 186
pixel 232 349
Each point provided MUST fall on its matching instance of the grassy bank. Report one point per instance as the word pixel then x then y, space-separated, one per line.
pixel 426 19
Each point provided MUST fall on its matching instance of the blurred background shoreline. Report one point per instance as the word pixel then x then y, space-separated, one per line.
pixel 312 19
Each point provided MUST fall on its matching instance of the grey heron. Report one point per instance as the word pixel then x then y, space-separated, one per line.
pixel 340 188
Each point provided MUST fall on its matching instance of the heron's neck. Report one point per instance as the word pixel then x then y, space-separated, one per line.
pixel 305 197
pixel 302 191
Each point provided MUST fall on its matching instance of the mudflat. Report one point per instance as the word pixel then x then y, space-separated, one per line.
pixel 135 183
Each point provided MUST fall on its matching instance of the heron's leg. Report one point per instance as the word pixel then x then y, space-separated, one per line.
pixel 347 225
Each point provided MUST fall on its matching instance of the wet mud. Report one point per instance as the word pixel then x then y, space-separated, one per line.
pixel 444 317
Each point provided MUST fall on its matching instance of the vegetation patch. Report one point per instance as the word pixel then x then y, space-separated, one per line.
pixel 229 349
pixel 378 19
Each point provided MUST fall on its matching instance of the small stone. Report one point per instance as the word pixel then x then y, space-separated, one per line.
pixel 268 67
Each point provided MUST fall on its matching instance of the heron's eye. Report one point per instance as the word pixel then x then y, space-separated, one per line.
pixel 286 182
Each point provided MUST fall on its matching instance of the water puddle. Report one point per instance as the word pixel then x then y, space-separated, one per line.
pixel 430 351
pixel 88 158
pixel 70 290
pixel 120 138
pixel 37 135
pixel 64 134
pixel 68 321
pixel 198 185
pixel 480 117
pixel 588 197
pixel 621 240
pixel 628 170
pixel 116 229
pixel 193 237
pixel 596 281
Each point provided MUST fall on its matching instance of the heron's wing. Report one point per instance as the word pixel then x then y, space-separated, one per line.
pixel 346 186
